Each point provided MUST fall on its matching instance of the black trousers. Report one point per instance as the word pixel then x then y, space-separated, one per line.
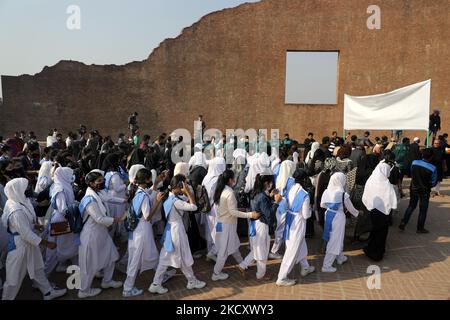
pixel 377 240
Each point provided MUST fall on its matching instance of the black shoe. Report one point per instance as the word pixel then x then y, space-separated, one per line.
pixel 423 231
pixel 402 226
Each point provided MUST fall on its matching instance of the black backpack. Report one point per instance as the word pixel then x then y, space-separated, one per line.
pixel 74 218
pixel 202 199
pixel 132 220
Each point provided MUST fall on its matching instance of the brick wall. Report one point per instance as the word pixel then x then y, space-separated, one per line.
pixel 230 67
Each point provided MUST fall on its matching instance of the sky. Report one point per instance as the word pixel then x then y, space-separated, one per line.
pixel 34 33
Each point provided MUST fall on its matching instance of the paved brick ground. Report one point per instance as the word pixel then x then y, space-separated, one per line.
pixel 415 267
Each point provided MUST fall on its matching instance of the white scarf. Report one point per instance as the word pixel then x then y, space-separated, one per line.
pixel 287 169
pixel 181 168
pixel 336 187
pixel 216 167
pixel 314 147
pixel 15 191
pixel 379 193
pixel 258 163
pixel 134 170
pixel 63 183
pixel 44 172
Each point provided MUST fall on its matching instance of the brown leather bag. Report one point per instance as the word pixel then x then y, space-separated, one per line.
pixel 59 228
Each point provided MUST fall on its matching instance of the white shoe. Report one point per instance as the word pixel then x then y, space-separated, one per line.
pixel 341 261
pixel 329 269
pixel 211 257
pixel 92 292
pixel 305 271
pixel 168 275
pixel 132 293
pixel 275 256
pixel 220 276
pixel 55 293
pixel 196 284
pixel 157 288
pixel 285 282
pixel 111 284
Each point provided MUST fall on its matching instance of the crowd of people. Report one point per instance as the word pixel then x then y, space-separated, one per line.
pixel 130 191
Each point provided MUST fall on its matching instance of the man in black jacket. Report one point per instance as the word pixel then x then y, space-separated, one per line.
pixel 424 177
pixel 435 124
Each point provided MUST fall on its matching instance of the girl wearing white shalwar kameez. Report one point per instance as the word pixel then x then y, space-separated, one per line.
pixel 259 237
pixel 216 167
pixel 97 250
pixel 334 229
pixel 283 183
pixel 297 209
pixel 176 252
pixel 227 240
pixel 62 196
pixel 142 252
pixel 116 187
pixel 24 255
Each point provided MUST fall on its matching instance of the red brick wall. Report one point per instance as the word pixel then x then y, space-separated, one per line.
pixel 230 67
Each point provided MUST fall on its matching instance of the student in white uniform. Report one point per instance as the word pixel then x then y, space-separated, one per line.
pixel 227 240
pixel 298 210
pixel 216 167
pixel 259 237
pixel 283 184
pixel 62 195
pixel 142 252
pixel 24 255
pixel 334 199
pixel 176 251
pixel 44 177
pixel 97 250
pixel 115 187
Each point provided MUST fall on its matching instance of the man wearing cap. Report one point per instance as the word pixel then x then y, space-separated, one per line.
pixel 435 123
pixel 414 153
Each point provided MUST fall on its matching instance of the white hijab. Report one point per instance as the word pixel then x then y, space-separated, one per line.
pixel 15 191
pixel 181 168
pixel 314 147
pixel 258 164
pixel 44 172
pixel 134 170
pixel 336 187
pixel 63 183
pixel 287 169
pixel 379 193
pixel 216 167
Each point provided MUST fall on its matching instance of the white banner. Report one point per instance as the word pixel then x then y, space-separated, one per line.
pixel 403 109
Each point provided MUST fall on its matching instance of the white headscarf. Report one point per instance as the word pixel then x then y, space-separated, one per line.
pixel 274 163
pixel 181 168
pixel 63 183
pixel 240 155
pixel 44 172
pixel 216 167
pixel 15 191
pixel 287 169
pixel 134 170
pixel 379 193
pixel 258 163
pixel 314 147
pixel 336 187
